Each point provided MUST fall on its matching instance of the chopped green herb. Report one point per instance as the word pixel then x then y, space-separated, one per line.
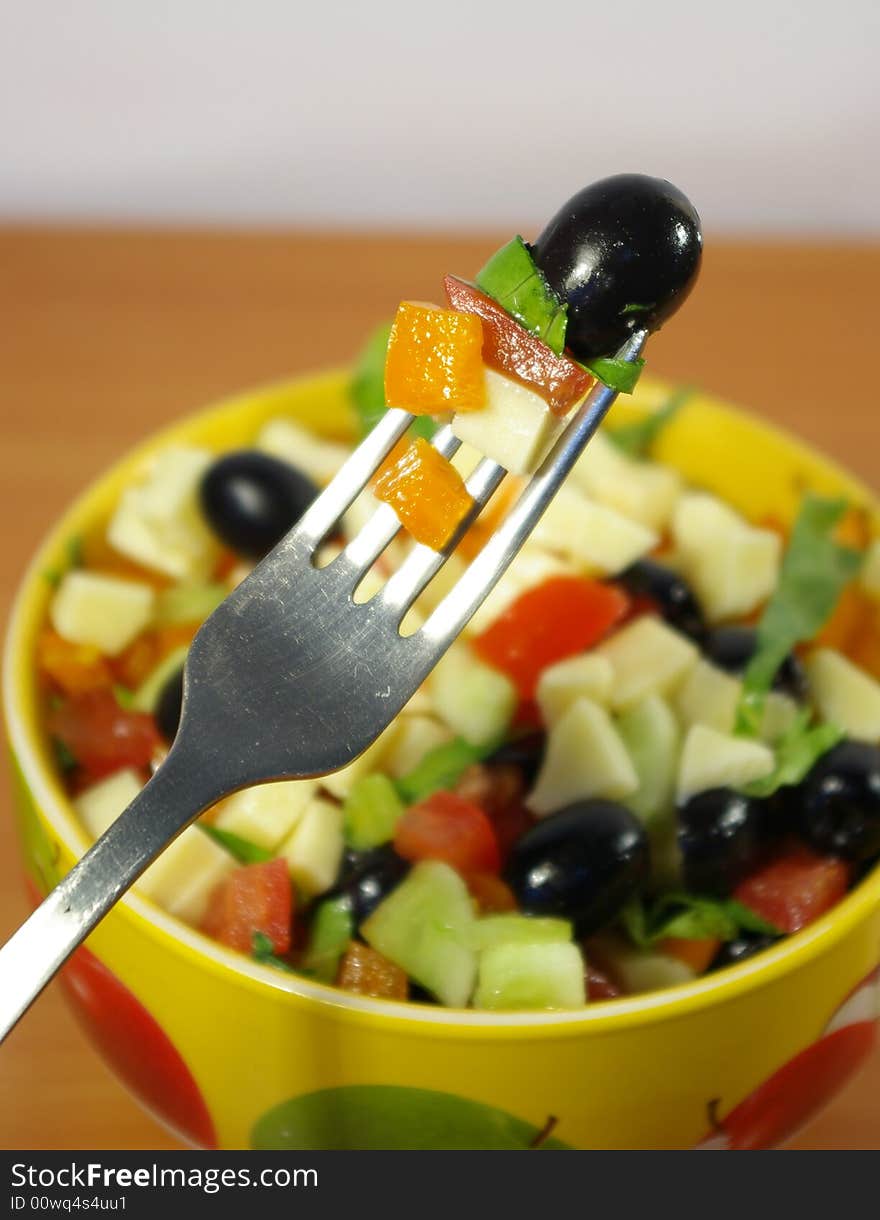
pixel 64 756
pixel 815 571
pixel 244 850
pixel 797 753
pixel 628 309
pixel 371 812
pixel 332 929
pixel 515 282
pixel 73 551
pixel 690 917
pixel 124 697
pixel 263 952
pixel 620 375
pixel 441 768
pixel 638 438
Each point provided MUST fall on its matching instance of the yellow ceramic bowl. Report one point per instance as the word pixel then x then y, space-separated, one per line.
pixel 233 1054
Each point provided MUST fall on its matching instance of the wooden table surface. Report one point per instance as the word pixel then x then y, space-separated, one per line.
pixel 105 335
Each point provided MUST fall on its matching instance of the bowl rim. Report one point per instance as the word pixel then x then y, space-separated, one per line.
pixel 29 756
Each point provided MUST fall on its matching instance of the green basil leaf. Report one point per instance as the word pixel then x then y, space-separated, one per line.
pixel 441 768
pixel 637 439
pixel 262 951
pixel 815 571
pixel 367 388
pixel 690 917
pixel 796 754
pixel 620 375
pixel 512 279
pixel 244 850
pixel 64 756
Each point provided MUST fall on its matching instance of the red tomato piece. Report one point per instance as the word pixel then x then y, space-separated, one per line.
pixel 448 827
pixel 510 348
pixel 600 986
pixel 795 888
pixel 557 619
pixel 102 736
pixel 257 898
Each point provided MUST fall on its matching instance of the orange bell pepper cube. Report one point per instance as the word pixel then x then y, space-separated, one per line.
pixel 434 362
pixel 510 348
pixel 73 668
pixel 427 493
pixel 559 618
pixel 698 954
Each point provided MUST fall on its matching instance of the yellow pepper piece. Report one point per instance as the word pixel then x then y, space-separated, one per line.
pixel 434 362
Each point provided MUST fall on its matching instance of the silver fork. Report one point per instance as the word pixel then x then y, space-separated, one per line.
pixel 291 678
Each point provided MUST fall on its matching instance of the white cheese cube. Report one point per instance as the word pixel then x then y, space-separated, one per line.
pixel 103 611
pixel 588 676
pixel 593 537
pixel 475 700
pixel 585 757
pixel 267 813
pixel 710 696
pixel 648 657
pixel 719 760
pixel 99 805
pixel 643 491
pixel 319 459
pixel 418 735
pixel 516 427
pixel 339 783
pixel 158 522
pixel 182 880
pixel 314 850
pixel 844 694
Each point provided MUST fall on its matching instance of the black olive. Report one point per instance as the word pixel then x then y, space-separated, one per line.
pixel 722 835
pixel 839 802
pixel 731 649
pixel 583 863
pixel 252 499
pixel 670 592
pixel 623 253
pixel 526 752
pixel 747 944
pixel 168 706
pixel 369 879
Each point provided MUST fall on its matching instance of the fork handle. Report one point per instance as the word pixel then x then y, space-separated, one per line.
pixel 160 811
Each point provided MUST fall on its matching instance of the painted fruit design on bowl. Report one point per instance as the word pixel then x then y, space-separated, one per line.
pixel 382 1118
pixel 803 1086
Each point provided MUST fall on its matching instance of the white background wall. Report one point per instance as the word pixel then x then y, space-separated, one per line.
pixel 437 112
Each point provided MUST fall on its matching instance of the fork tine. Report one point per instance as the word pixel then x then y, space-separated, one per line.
pixel 448 619
pixel 384 525
pixel 422 564
pixel 351 478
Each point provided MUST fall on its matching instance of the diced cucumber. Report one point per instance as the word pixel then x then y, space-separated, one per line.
pixel 99 805
pixel 314 848
pixel 587 676
pixel 515 428
pixel 145 698
pixel 594 537
pixel 585 757
pixel 531 976
pixel 424 927
pixel 183 878
pixel 719 760
pixel 518 929
pixel 371 811
pixel 476 701
pixel 652 737
pixel 188 603
pixel 332 929
pixel 102 611
pixel 844 694
pixel 648 657
pixel 643 491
